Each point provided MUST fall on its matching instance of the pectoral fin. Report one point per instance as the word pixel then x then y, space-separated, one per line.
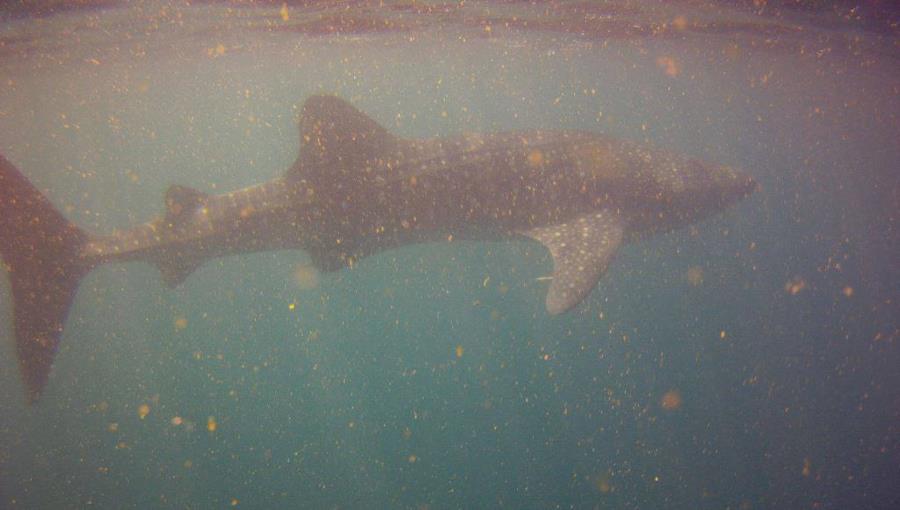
pixel 582 250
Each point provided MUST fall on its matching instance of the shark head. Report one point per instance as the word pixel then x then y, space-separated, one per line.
pixel 697 189
pixel 657 190
pixel 674 190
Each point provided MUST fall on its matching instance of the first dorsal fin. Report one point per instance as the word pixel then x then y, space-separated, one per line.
pixel 341 147
pixel 181 201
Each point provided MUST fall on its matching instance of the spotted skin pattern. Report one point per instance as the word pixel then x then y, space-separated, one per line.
pixel 355 190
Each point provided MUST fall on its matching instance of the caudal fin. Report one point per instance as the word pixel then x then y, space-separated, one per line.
pixel 40 251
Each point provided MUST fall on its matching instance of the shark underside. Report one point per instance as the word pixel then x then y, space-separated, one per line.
pixel 356 189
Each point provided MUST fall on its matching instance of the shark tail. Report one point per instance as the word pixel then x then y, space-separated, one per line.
pixel 40 251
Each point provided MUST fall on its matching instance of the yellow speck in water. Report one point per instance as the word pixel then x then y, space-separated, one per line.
pixel 188 464
pixel 536 158
pixel 176 421
pixel 212 424
pixel 412 459
pixel 143 411
pixel 285 16
pixel 680 22
pixel 292 306
pixel 806 467
pixel 722 334
pixel 848 291
pixel 113 427
pixel 180 323
pixel 234 502
pixel 459 351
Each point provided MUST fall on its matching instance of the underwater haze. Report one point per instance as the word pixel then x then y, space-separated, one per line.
pixel 747 361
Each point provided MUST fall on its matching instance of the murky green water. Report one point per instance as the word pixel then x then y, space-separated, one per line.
pixel 748 361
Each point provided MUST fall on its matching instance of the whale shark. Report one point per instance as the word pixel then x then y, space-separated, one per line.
pixel 356 189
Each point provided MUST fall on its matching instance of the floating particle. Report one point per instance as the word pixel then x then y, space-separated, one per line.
pixel 671 400
pixel 180 323
pixel 176 421
pixel 291 306
pixel 113 427
pixel 143 411
pixel 212 424
pixel 285 15
pixel 459 351
pixel 412 459
pixel 795 286
pixel 848 291
pixel 680 22
pixel 695 276
pixel 602 483
pixel 306 276
pixel 536 158
pixel 669 66
pixel 806 467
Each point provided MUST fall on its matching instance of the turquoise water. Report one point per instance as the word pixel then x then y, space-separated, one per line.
pixel 748 361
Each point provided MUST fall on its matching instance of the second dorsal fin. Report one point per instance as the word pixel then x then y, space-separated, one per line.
pixel 181 201
pixel 341 147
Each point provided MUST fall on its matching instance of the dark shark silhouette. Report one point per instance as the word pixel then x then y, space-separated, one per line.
pixel 356 189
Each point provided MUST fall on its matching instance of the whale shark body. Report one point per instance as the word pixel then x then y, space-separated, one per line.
pixel 356 189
